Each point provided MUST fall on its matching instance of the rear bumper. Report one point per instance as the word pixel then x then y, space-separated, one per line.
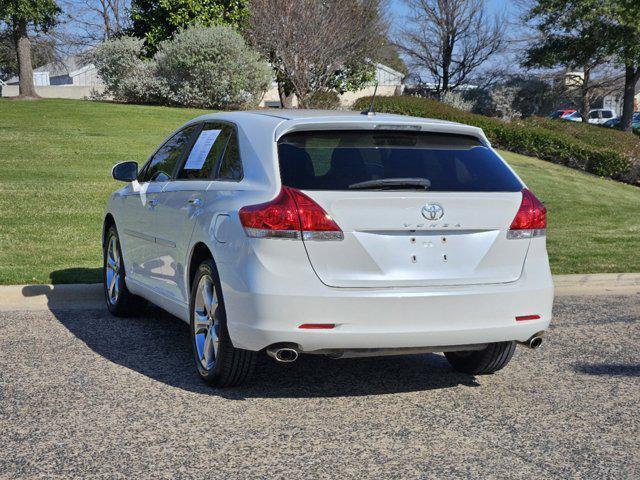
pixel 396 319
pixel 390 318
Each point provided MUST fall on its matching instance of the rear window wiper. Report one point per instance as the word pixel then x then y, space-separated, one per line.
pixel 397 183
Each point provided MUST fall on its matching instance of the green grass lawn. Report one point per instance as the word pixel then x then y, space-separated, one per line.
pixel 56 157
pixel 593 223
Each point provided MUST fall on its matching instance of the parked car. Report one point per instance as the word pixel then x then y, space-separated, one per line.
pixel 614 122
pixel 573 117
pixel 561 113
pixel 332 233
pixel 596 116
pixel 599 116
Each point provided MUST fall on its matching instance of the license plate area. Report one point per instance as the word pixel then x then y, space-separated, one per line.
pixel 428 250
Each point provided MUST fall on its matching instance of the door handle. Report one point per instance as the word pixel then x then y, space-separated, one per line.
pixel 195 202
pixel 152 202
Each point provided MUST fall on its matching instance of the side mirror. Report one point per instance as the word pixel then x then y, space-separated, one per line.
pixel 125 171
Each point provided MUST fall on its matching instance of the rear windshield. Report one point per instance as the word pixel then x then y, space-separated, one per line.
pixel 338 160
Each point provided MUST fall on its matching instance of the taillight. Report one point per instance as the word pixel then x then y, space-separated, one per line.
pixel 291 214
pixel 531 219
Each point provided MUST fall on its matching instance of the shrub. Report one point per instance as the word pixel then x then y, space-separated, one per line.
pixel 212 68
pixel 503 98
pixel 456 100
pixel 145 86
pixel 118 61
pixel 200 67
pixel 604 152
pixel 327 100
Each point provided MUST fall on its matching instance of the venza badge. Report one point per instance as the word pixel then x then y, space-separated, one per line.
pixel 433 211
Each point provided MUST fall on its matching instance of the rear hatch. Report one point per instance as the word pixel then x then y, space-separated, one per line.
pixel 416 208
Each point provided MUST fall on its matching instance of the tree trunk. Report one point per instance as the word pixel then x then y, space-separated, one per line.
pixel 585 106
pixel 447 55
pixel 631 75
pixel 303 100
pixel 22 43
pixel 286 101
pixel 585 95
pixel 106 19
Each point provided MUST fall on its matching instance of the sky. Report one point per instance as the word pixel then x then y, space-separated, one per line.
pixel 399 10
pixel 508 8
pixel 494 6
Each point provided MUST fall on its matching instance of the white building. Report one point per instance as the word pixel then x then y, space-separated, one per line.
pixel 68 78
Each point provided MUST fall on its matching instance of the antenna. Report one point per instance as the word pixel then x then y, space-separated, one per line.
pixel 371 111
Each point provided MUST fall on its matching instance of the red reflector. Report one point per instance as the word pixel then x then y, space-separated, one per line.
pixel 527 317
pixel 316 326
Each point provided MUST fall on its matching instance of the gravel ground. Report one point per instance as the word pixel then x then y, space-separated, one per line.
pixel 83 394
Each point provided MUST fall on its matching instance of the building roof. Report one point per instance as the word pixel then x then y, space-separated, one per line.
pixel 381 66
pixel 63 66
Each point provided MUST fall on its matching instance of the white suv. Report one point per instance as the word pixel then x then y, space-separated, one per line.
pixel 599 116
pixel 332 233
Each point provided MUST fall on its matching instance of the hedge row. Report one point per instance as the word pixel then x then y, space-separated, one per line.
pixel 604 152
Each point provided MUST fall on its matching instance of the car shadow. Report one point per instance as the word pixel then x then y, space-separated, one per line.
pixel 609 369
pixel 157 345
pixel 76 275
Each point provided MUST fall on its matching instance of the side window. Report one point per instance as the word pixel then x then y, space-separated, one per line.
pixel 206 152
pixel 607 114
pixel 593 114
pixel 161 166
pixel 231 166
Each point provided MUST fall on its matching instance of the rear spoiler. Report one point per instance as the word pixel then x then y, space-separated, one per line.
pixel 372 124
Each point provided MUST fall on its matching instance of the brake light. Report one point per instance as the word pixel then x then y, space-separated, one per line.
pixel 292 214
pixel 531 218
pixel 277 218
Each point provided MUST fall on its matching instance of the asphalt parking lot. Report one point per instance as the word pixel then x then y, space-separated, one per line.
pixel 83 394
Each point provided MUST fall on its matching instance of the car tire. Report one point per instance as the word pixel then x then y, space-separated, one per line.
pixel 218 362
pixel 482 362
pixel 120 301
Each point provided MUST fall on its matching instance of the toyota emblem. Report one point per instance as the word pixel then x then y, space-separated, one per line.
pixel 433 211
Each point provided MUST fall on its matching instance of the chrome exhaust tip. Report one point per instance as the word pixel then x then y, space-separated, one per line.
pixel 534 342
pixel 283 354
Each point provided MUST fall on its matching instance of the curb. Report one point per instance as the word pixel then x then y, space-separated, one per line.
pixel 90 296
pixel 51 297
pixel 597 284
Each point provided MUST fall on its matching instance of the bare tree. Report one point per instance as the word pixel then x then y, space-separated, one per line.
pixel 307 41
pixel 449 39
pixel 90 22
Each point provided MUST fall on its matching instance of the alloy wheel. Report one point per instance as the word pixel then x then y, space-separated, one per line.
pixel 113 271
pixel 205 322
